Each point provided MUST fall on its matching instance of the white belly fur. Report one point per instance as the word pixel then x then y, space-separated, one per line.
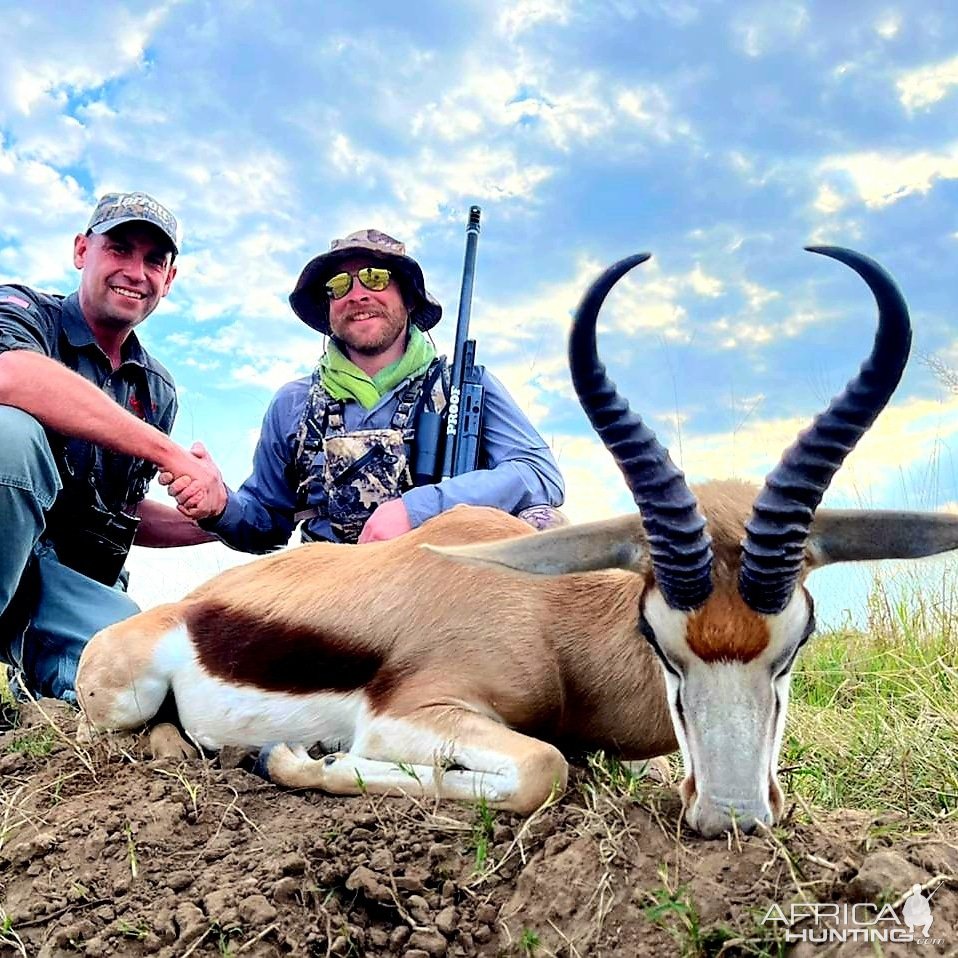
pixel 218 713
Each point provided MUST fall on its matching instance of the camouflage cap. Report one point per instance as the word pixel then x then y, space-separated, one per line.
pixel 114 209
pixel 311 303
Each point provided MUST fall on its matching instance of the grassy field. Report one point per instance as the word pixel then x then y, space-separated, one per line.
pixel 873 721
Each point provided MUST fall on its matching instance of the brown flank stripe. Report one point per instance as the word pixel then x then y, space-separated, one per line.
pixel 274 655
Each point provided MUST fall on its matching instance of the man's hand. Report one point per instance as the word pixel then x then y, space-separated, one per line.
pixel 388 521
pixel 196 483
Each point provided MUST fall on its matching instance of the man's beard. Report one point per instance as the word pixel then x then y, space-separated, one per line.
pixel 390 328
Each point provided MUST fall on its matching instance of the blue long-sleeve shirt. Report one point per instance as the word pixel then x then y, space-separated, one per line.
pixel 516 470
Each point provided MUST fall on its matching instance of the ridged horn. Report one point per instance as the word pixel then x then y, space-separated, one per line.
pixel 679 547
pixel 774 547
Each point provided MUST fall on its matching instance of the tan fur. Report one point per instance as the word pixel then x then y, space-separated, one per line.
pixel 727 505
pixel 116 656
pixel 504 663
pixel 568 666
pixel 725 628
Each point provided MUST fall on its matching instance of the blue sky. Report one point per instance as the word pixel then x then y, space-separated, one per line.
pixel 721 137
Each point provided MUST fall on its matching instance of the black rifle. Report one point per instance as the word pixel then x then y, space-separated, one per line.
pixel 464 411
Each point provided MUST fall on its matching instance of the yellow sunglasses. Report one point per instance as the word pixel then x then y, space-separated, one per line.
pixel 375 278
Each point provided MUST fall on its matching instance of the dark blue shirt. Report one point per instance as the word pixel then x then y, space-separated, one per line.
pixel 54 326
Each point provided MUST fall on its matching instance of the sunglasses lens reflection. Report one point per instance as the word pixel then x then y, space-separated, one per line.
pixel 375 278
pixel 339 285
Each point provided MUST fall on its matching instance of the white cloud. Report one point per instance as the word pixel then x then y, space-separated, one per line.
pixel 643 301
pixel 829 200
pixel 754 329
pixel 740 333
pixel 41 210
pixel 903 439
pixel 762 29
pixel 928 84
pixel 564 109
pixel 243 274
pixel 431 179
pixel 703 284
pixel 346 158
pixel 532 384
pixel 888 26
pixel 520 15
pixel 838 231
pixel 757 296
pixel 272 373
pixel 54 64
pixel 650 108
pixel 893 452
pixel 651 300
pixel 244 354
pixel 595 488
pixel 881 179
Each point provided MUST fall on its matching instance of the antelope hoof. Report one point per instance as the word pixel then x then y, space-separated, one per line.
pixel 166 742
pixel 86 731
pixel 659 770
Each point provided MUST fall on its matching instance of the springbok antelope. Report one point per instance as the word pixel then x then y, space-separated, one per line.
pixel 675 625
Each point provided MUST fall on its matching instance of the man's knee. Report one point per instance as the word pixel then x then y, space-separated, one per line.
pixel 26 460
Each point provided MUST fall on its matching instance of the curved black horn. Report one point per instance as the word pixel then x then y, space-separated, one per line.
pixel 680 549
pixel 774 547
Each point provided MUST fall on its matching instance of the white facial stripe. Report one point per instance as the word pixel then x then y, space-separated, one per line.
pixel 786 629
pixel 669 626
pixel 673 686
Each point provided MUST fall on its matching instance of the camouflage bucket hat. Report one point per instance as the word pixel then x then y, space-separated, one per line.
pixel 115 209
pixel 311 304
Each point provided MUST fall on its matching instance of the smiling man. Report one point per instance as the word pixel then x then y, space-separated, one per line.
pixel 85 416
pixel 338 449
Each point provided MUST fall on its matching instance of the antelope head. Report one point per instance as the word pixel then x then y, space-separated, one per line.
pixel 727 619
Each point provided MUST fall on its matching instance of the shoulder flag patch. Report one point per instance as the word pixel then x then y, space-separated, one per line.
pixel 16 301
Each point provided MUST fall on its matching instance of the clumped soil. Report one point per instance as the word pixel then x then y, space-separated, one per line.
pixel 105 852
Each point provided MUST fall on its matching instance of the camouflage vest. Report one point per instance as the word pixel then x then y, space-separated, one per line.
pixel 360 470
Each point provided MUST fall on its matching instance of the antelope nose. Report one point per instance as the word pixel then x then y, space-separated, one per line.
pixel 712 818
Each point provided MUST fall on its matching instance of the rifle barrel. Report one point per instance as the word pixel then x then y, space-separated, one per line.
pixel 462 334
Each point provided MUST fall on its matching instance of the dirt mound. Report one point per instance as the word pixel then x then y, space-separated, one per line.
pixel 103 852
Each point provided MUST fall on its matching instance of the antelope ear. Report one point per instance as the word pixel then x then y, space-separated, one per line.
pixel 850 535
pixel 610 544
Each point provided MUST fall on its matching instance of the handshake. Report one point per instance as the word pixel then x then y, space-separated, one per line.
pixel 195 482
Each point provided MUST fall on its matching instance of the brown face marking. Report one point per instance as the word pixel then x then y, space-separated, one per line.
pixel 275 655
pixel 725 628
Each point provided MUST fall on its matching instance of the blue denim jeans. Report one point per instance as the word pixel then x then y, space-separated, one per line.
pixel 59 610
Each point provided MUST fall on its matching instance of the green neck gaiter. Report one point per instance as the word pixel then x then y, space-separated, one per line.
pixel 343 379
